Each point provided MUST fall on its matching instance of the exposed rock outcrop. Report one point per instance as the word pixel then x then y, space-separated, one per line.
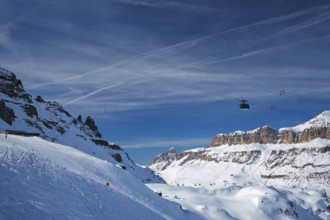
pixel 91 124
pixel 6 114
pixel 117 157
pixel 12 86
pixel 30 110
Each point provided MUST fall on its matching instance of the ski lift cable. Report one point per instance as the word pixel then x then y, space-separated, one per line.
pixel 152 57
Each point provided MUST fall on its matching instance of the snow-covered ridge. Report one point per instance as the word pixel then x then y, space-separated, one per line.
pixel 322 120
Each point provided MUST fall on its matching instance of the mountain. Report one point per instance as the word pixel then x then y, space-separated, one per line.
pixel 21 112
pixel 298 157
pixel 56 166
pixel 261 174
pixel 318 127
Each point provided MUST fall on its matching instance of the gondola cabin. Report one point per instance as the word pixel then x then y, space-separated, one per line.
pixel 244 105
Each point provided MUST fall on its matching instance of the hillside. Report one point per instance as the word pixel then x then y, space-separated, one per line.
pixel 21 112
pixel 44 180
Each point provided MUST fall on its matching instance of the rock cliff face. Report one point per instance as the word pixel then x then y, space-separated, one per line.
pixel 315 128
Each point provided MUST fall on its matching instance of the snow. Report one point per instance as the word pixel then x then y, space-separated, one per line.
pixel 322 120
pixel 248 202
pixel 44 180
pixel 229 183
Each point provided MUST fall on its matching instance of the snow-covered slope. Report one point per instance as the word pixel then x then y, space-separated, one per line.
pixel 250 202
pixel 20 111
pixel 44 180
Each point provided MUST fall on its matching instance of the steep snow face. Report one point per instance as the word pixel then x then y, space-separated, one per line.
pixel 44 180
pixel 297 165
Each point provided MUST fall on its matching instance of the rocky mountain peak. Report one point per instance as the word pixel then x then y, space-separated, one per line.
pixel 166 157
pixel 49 118
pixel 12 87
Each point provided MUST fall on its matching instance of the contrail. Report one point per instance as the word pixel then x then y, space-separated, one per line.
pixel 167 4
pixel 100 70
pixel 6 27
pixel 146 55
pixel 252 53
pixel 260 23
pixel 140 78
pixel 286 32
pixel 92 93
pixel 152 54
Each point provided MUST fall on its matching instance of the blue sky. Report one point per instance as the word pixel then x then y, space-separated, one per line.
pixel 156 73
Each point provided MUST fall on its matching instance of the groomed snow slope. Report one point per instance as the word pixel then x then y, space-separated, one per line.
pixel 44 180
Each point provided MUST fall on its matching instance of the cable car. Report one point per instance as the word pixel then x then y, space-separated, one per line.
pixel 244 105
